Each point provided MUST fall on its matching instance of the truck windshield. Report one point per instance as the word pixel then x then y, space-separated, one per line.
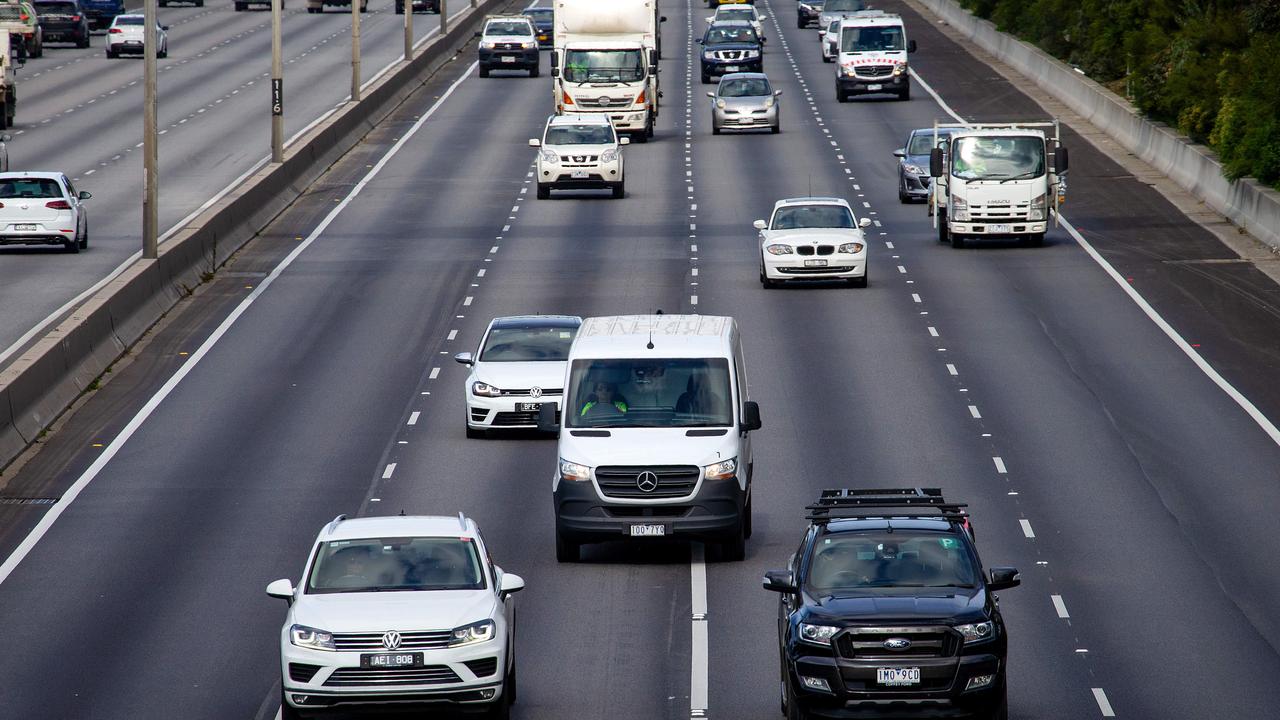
pixel 649 392
pixel 602 66
pixel 845 561
pixel 998 158
pixel 871 39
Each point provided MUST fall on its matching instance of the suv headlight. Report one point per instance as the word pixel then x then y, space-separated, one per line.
pixel 709 54
pixel 309 637
pixel 817 634
pixel 977 632
pixel 752 54
pixel 722 470
pixel 549 156
pixel 778 249
pixel 851 247
pixel 610 155
pixel 574 472
pixel 474 633
pixel 1037 208
pixel 485 390
pixel 959 209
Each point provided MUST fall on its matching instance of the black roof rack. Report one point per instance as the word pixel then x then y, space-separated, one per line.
pixel 847 503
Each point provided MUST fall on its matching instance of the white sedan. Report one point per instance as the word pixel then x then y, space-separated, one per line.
pixel 126 36
pixel 42 208
pixel 520 366
pixel 812 238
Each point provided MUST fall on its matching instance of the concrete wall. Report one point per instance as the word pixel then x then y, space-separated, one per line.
pixel 46 379
pixel 1252 206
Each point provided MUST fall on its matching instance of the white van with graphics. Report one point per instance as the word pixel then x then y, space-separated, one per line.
pixel 655 434
pixel 873 48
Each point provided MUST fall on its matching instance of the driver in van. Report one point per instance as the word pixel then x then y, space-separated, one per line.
pixel 603 400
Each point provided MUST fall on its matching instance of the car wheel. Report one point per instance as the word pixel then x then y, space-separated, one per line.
pixel 110 54
pixel 735 548
pixel 942 226
pixel 902 196
pixel 544 191
pixel 287 711
pixel 84 239
pixel 859 282
pixel 706 79
pixel 567 551
pixel 240 7
pixel 777 128
pixel 794 711
pixel 83 42
pixel 163 53
pixel 1000 709
pixel 800 24
pixel 715 130
pixel 72 247
pixel 476 433
pixel 641 137
pixel 620 190
pixel 825 59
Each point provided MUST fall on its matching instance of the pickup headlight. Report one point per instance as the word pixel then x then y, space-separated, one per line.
pixel 977 632
pixel 473 633
pixel 529 44
pixel 913 169
pixel 549 156
pixel 572 471
pixel 1037 208
pixel 485 390
pixel 851 248
pixel 709 54
pixel 778 249
pixel 817 634
pixel 487 44
pixel 959 209
pixel 309 637
pixel 722 470
pixel 609 155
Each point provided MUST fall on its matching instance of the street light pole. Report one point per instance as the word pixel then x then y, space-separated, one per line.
pixel 355 50
pixel 444 17
pixel 150 140
pixel 277 86
pixel 408 30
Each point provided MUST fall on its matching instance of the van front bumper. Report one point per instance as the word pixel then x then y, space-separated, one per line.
pixel 713 513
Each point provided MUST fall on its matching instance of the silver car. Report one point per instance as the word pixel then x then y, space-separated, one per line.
pixel 744 101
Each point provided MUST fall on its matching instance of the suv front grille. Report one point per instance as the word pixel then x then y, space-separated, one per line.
pixel 429 675
pixel 571 160
pixel 372 642
pixel 731 54
pixel 672 480
pixel 926 642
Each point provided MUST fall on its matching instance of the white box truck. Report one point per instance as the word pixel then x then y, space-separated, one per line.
pixel 996 180
pixel 606 61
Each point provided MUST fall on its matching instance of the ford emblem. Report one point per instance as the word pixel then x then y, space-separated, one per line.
pixel 897 644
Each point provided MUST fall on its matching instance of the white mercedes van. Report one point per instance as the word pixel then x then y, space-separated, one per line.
pixel 654 437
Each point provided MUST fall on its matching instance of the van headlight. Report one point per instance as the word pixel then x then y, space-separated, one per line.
pixel 474 633
pixel 959 209
pixel 1037 208
pixel 900 69
pixel 572 471
pixel 309 637
pixel 977 632
pixel 610 155
pixel 485 390
pixel 852 248
pixel 722 470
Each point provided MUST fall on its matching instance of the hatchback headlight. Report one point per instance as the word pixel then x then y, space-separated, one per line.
pixel 485 390
pixel 778 249
pixel 852 248
pixel 309 637
pixel 722 470
pixel 768 102
pixel 473 633
pixel 720 104
pixel 573 471
pixel 913 169
pixel 977 632
pixel 549 156
pixel 959 209
pixel 817 634
pixel 1037 208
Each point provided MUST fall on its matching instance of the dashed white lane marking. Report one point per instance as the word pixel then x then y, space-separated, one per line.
pixel 467 301
pixel 973 411
pixel 1060 606
pixel 902 269
pixel 1103 704
pixel 1000 468
pixel 1026 527
pixel 480 273
pixel 915 297
pixel 693 299
pixel 413 417
pixel 933 331
pixel 452 335
pixel 698 685
pixel 390 469
pixel 952 369
pixel 435 373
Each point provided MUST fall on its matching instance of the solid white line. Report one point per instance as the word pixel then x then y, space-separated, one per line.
pixel 435 373
pixel 1000 468
pixel 386 474
pixel 1026 528
pixel 698 679
pixel 1060 606
pixel 413 417
pixel 29 542
pixel 1103 704
pixel 973 410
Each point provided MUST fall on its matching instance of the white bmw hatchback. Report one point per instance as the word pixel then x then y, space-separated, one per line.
pixel 519 366
pixel 42 208
pixel 397 612
pixel 812 238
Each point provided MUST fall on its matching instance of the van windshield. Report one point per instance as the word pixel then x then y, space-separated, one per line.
pixel 886 38
pixel 648 392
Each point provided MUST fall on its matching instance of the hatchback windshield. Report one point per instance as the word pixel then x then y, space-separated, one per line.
pixel 902 558
pixel 29 188
pixel 721 35
pixel 407 563
pixel 998 158
pixel 527 344
pixel 508 28
pixel 745 87
pixel 871 39
pixel 663 392
pixel 797 217
pixel 844 6
pixel 603 66
pixel 579 135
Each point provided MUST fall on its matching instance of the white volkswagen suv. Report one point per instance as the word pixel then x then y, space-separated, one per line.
pixel 812 238
pixel 398 611
pixel 580 151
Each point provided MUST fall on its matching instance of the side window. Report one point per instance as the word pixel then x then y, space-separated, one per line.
pixel 740 371
pixel 71 190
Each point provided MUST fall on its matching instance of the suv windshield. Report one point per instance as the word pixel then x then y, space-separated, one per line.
pixel 510 27
pixel 579 135
pixel 745 87
pixel 603 66
pixel 871 39
pixel 736 13
pixel 998 158
pixel 844 6
pixel 383 564
pixel 527 344
pixel 844 561
pixel 738 34
pixel 662 392
pixel 798 217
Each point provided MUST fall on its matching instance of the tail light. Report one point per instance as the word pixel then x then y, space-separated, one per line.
pixel 115 31
pixel 567 100
pixel 75 18
pixel 24 17
pixel 1 204
pixel 58 205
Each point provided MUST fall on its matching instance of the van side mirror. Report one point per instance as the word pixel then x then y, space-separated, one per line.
pixel 911 46
pixel 547 418
pixel 1060 159
pixel 750 416
pixel 1003 578
pixel 935 162
pixel 781 581
pixel 653 57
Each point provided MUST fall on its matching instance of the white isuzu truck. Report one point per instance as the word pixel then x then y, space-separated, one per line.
pixel 605 60
pixel 996 180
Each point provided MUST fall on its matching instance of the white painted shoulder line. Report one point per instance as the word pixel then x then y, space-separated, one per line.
pixel 699 648
pixel 1103 704
pixel 29 542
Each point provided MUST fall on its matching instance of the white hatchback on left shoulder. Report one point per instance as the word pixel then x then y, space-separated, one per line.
pixel 42 208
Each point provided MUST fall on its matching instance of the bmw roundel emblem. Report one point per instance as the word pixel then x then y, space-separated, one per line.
pixel 897 644
pixel 391 640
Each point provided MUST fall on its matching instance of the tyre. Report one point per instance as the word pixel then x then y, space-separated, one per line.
pixel 533 71
pixel 859 282
pixel 642 136
pixel 765 282
pixel 777 128
pixel 484 71
pixel 200 3
pixel 240 7
pixel 500 710
pixel 800 23
pixel 399 9
pixel 714 129
pixel 544 191
pixel 84 239
pixel 164 4
pixel 5 120
pixel 620 190
pixel 735 548
pixel 793 709
pixel 825 59
pixel 903 197
pixel 706 79
pixel 511 685
pixel 475 433
pixel 163 54
pixel 567 551
pixel 83 42
pixel 942 226
pixel 288 712
pixel 1035 240
pixel 111 54
pixel 905 93
pixel 72 247
pixel 1000 711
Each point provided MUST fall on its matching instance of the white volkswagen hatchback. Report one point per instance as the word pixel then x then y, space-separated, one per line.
pixel 398 611
pixel 519 366
pixel 812 238
pixel 126 36
pixel 42 208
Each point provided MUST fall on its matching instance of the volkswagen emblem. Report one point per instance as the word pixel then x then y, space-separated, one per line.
pixel 647 481
pixel 897 644
pixel 535 392
pixel 391 640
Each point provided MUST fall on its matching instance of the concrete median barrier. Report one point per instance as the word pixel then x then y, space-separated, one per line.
pixel 44 381
pixel 1247 203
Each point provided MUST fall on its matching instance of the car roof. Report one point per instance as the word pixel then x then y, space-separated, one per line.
pixel 929 131
pixel 399 526
pixel 536 321
pixel 811 201
pixel 580 119
pixel 539 10
pixel 662 336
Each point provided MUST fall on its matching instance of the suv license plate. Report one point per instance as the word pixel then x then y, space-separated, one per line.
pixel 648 530
pixel 508 58
pixel 578 174
pixel 873 88
pixel 391 660
pixel 528 407
pixel 897 676
pixel 731 68
pixel 815 263
pixel 24 226
pixel 999 228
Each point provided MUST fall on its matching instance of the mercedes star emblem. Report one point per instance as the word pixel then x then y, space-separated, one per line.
pixel 391 640
pixel 535 392
pixel 647 481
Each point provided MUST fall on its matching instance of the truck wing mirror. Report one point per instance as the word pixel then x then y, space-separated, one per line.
pixel 1003 578
pixel 653 58
pixel 780 581
pixel 662 18
pixel 911 46
pixel 750 416
pixel 547 418
pixel 1060 159
pixel 935 162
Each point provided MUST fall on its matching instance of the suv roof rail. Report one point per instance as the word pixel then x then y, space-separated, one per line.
pixel 333 524
pixel 849 503
pixel 462 520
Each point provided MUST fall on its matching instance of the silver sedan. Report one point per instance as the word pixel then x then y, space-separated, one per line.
pixel 744 101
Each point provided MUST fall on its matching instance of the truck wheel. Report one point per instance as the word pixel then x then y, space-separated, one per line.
pixel 240 7
pixel 1035 240
pixel 957 241
pixel 942 226
pixel 533 71
pixel 567 551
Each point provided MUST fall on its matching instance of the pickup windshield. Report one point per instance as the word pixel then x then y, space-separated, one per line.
pixel 871 39
pixel 508 28
pixel 603 66
pixel 997 158
pixel 649 392
pixel 844 561
pixel 389 564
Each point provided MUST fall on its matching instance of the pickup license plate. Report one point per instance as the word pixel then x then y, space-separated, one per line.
pixel 24 226
pixel 874 87
pixel 648 530
pixel 578 174
pixel 508 58
pixel 391 660
pixel 815 263
pixel 999 228
pixel 897 676
pixel 528 407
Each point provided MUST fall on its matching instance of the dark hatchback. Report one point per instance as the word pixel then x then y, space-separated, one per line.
pixel 885 612
pixel 544 21
pixel 807 12
pixel 63 21
pixel 728 47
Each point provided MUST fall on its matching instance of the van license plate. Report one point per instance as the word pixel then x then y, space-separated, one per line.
pixel 391 660
pixel 999 228
pixel 897 676
pixel 873 88
pixel 24 226
pixel 815 263
pixel 648 530
pixel 528 407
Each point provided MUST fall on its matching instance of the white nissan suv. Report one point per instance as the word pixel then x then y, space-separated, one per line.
pixel 812 238
pixel 398 611
pixel 580 151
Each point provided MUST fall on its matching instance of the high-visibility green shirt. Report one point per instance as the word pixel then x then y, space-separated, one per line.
pixel 622 407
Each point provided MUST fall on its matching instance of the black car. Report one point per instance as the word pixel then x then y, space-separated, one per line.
pixel 807 12
pixel 885 611
pixel 543 24
pixel 913 163
pixel 730 46
pixel 419 6
pixel 63 21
